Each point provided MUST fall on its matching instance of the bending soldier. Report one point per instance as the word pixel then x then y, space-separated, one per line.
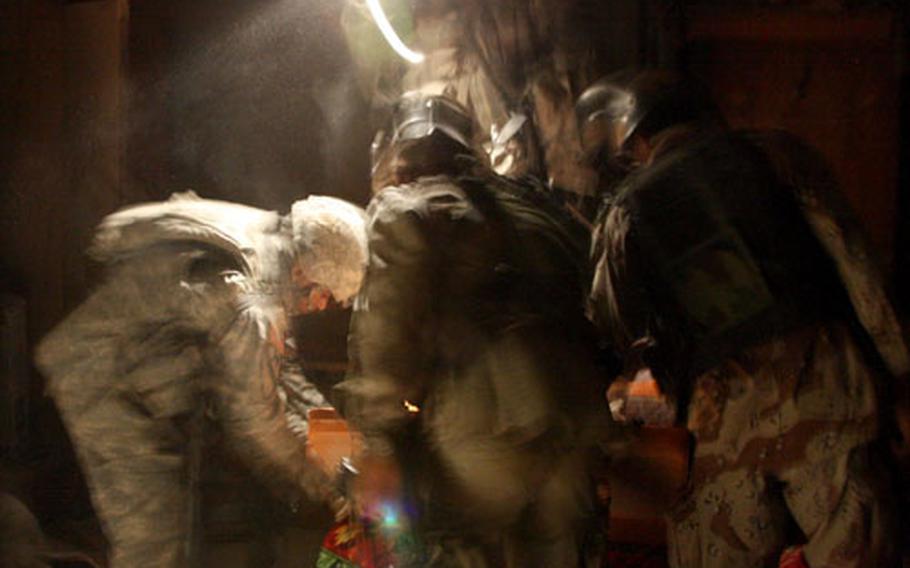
pixel 187 334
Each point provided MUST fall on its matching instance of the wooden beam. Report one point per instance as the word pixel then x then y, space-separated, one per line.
pixel 801 26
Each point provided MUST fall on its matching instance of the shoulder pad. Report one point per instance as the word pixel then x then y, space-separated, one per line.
pixel 232 228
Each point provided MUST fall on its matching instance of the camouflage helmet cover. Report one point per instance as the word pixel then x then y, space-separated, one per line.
pixel 331 243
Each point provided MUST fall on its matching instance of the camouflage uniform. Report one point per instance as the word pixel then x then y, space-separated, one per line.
pixel 782 431
pixel 185 334
pixel 709 273
pixel 472 311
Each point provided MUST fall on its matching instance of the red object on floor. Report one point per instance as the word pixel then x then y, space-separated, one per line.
pixel 793 557
pixel 348 544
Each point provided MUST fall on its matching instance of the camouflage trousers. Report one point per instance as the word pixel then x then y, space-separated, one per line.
pixel 138 472
pixel 783 458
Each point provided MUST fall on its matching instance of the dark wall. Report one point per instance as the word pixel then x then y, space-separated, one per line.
pixel 61 105
pixel 832 77
pixel 902 234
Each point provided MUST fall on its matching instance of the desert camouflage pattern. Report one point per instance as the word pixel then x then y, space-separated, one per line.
pixel 782 436
pixel 176 342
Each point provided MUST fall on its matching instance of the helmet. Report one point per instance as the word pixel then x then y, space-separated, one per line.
pixel 418 115
pixel 604 111
pixel 331 242
pixel 426 131
pixel 612 110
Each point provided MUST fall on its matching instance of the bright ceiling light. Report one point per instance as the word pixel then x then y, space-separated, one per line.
pixel 388 32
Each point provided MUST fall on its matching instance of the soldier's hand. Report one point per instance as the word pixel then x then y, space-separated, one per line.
pixel 340 506
pixel 378 485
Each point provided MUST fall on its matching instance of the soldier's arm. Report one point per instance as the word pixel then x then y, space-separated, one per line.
pixel 391 341
pixel 804 170
pixel 298 395
pixel 626 307
pixel 250 410
pixel 620 304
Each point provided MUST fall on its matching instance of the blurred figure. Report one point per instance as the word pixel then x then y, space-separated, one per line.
pixel 616 121
pixel 728 265
pixel 184 343
pixel 24 545
pixel 474 381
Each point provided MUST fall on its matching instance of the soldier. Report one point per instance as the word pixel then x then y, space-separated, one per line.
pixel 474 366
pixel 727 264
pixel 186 336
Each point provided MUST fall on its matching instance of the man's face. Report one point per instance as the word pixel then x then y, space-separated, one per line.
pixel 610 150
pixel 308 296
pixel 639 150
pixel 612 162
pixel 315 298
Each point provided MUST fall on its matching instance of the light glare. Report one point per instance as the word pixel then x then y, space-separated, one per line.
pixel 388 32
